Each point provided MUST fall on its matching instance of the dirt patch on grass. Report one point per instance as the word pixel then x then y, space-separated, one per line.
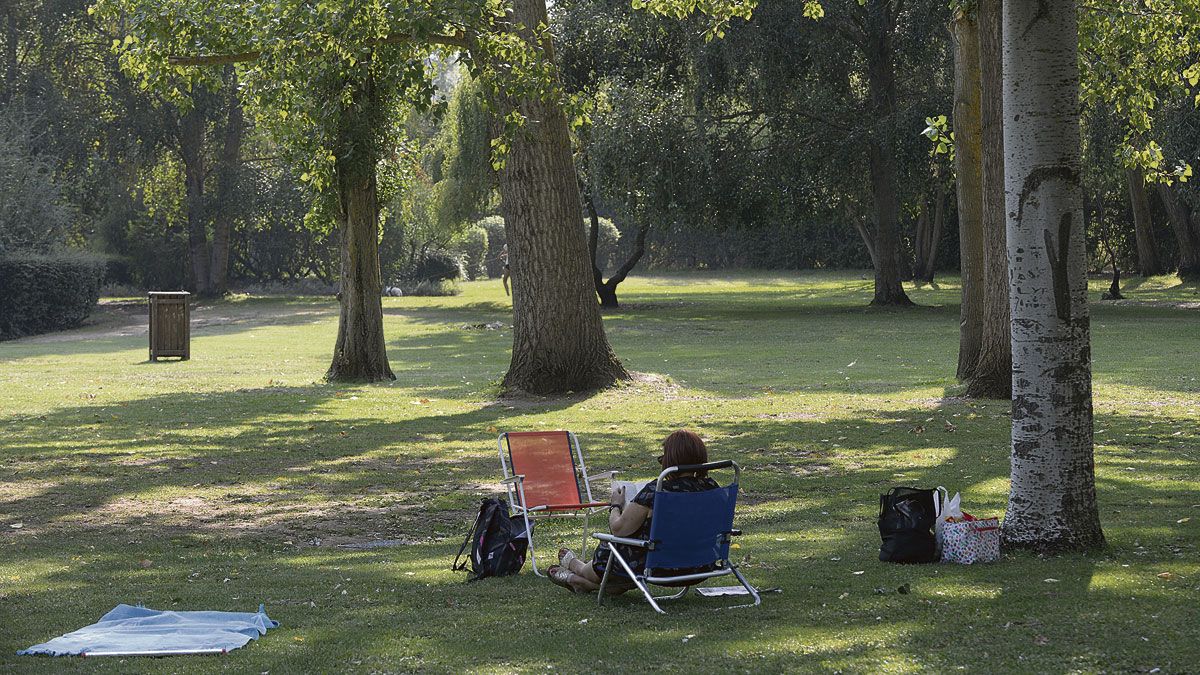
pixel 127 318
pixel 789 416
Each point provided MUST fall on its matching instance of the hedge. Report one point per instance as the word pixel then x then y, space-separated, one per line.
pixel 434 266
pixel 43 293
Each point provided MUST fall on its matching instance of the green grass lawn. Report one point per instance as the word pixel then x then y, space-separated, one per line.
pixel 237 477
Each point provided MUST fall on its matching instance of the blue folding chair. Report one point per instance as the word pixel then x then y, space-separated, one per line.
pixel 688 530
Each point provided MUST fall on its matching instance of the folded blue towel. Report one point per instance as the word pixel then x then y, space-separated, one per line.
pixel 138 631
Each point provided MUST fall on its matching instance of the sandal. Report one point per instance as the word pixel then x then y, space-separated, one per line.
pixel 565 556
pixel 561 577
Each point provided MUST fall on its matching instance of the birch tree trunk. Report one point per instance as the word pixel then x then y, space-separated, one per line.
pixel 968 149
pixel 359 353
pixel 1143 226
pixel 992 377
pixel 1052 498
pixel 559 343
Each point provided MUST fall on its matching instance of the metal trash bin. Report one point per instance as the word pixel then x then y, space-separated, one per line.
pixel 170 325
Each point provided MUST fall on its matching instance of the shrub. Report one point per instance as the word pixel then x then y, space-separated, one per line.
pixel 427 288
pixel 494 226
pixel 34 216
pixel 606 243
pixel 434 266
pixel 46 292
pixel 474 250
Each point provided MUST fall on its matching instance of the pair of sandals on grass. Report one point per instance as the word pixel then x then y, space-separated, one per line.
pixel 579 576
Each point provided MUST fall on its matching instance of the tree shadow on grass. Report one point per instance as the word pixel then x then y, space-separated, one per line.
pixel 808 515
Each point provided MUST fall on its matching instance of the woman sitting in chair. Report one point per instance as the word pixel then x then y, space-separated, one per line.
pixel 632 519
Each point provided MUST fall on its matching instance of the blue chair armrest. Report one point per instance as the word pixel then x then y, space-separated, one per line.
pixel 614 539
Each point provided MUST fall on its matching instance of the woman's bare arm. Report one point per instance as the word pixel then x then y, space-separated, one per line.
pixel 627 521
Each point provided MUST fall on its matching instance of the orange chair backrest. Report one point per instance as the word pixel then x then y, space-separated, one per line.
pixel 548 463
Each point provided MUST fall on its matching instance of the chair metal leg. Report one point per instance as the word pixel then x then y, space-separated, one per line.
pixel 529 534
pixel 587 522
pixel 638 582
pixel 752 590
pixel 674 596
pixel 604 580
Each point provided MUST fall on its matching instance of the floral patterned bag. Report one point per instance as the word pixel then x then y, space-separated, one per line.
pixel 971 540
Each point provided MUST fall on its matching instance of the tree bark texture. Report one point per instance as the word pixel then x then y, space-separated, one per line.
pixel 881 86
pixel 227 177
pixel 1186 229
pixel 1143 225
pixel 192 131
pixel 359 353
pixel 1052 498
pixel 968 165
pixel 992 376
pixel 559 344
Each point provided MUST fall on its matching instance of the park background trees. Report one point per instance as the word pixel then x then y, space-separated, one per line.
pixel 763 132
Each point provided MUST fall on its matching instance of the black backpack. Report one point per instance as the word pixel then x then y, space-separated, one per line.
pixel 906 518
pixel 498 542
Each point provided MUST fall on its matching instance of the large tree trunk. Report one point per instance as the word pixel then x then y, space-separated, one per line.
pixel 1187 234
pixel 1143 226
pixel 968 164
pixel 881 85
pixel 359 353
pixel 1052 499
pixel 559 343
pixel 191 150
pixel 992 376
pixel 230 165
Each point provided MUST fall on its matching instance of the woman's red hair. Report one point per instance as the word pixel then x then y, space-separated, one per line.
pixel 684 447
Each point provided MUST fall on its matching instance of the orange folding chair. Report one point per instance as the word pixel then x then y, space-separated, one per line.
pixel 545 477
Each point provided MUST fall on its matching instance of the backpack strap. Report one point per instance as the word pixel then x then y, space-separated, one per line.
pixel 455 566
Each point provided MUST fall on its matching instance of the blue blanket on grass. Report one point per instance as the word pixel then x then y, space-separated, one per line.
pixel 138 631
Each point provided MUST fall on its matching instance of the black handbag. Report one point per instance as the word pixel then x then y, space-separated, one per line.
pixel 906 518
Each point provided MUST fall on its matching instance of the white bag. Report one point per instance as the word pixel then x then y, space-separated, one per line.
pixel 947 507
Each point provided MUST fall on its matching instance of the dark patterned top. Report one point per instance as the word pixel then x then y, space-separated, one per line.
pixel 634 555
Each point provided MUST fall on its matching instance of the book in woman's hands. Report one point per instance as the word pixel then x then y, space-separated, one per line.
pixel 632 487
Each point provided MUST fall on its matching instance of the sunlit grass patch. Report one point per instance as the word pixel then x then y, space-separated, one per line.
pixel 240 477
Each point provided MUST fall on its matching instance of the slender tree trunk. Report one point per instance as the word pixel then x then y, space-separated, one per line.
pixel 921 238
pixel 992 376
pixel 1187 234
pixel 191 151
pixel 230 165
pixel 881 86
pixel 868 238
pixel 359 353
pixel 1052 499
pixel 1143 226
pixel 559 343
pixel 607 290
pixel 968 164
pixel 934 237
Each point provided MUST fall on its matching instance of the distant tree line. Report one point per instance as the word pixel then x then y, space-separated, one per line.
pixel 767 148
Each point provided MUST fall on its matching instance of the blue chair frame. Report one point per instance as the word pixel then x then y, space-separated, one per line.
pixel 687 530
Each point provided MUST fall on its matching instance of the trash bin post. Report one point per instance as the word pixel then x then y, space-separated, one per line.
pixel 170 325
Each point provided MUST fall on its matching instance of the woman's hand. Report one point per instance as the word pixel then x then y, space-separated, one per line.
pixel 617 496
